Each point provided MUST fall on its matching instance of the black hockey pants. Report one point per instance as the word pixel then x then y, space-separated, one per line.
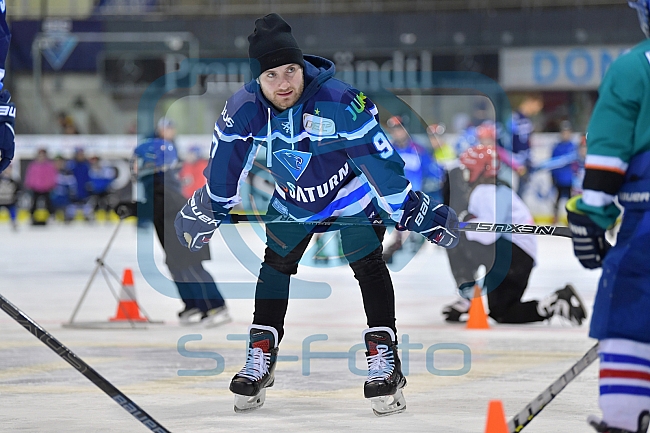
pixel 286 244
pixel 508 269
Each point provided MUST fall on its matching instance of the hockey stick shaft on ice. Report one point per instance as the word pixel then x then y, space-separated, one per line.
pixel 532 409
pixel 79 365
pixel 464 227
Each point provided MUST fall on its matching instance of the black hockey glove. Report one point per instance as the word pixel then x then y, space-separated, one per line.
pixel 7 136
pixel 125 209
pixel 435 221
pixel 589 243
pixel 198 219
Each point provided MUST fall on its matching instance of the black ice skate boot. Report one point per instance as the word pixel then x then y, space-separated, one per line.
pixel 601 427
pixel 249 385
pixel 458 311
pixel 566 303
pixel 385 379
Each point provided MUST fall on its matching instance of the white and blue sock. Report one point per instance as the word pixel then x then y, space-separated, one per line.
pixel 624 382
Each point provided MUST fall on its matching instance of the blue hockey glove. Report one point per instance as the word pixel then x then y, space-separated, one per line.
pixel 7 136
pixel 436 222
pixel 589 243
pixel 197 220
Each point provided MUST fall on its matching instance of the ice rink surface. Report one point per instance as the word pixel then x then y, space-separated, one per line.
pixel 43 271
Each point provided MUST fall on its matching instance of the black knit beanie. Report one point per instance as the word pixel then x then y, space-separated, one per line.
pixel 271 45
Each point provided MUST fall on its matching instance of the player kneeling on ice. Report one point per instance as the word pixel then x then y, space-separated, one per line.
pixel 329 157
pixel 508 258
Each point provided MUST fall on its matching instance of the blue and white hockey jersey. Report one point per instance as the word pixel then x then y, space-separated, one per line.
pixel 5 38
pixel 327 153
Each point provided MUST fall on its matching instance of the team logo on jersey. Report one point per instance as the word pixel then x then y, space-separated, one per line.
pixel 294 160
pixel 310 194
pixel 318 125
pixel 357 105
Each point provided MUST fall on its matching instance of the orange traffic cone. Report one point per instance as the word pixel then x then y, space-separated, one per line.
pixel 477 318
pixel 496 419
pixel 127 308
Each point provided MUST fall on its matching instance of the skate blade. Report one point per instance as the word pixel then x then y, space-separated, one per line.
pixel 388 404
pixel 190 321
pixel 245 403
pixel 217 320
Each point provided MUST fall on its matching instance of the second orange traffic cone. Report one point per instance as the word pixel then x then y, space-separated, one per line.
pixel 477 318
pixel 496 419
pixel 127 308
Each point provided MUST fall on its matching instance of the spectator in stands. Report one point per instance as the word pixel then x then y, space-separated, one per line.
pixel 80 115
pixel 40 179
pixel 443 153
pixel 101 177
pixel 482 111
pixel 191 174
pixel 9 190
pixel 67 123
pixel 64 190
pixel 79 167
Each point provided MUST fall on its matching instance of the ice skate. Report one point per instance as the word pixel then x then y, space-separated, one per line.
pixel 249 385
pixel 602 427
pixel 189 316
pixel 215 317
pixel 385 379
pixel 566 303
pixel 458 311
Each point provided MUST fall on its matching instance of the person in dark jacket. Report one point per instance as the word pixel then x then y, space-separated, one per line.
pixel 156 167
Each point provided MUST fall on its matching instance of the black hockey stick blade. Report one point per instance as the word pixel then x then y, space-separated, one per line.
pixel 79 365
pixel 532 409
pixel 524 229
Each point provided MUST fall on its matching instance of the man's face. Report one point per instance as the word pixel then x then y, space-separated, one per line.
pixel 167 133
pixel 283 85
pixel 532 106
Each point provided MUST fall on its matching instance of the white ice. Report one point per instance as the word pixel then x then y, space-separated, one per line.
pixel 43 271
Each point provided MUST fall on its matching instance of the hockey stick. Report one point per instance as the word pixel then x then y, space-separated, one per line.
pixel 532 409
pixel 81 366
pixel 464 227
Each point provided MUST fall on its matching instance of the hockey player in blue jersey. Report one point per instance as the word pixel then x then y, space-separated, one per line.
pixel 419 168
pixel 520 129
pixel 329 158
pixel 7 108
pixel 618 166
